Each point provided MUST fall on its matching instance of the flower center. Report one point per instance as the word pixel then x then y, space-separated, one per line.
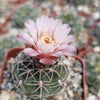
pixel 47 39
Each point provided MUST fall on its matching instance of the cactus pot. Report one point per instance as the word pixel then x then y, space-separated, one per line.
pixel 13 53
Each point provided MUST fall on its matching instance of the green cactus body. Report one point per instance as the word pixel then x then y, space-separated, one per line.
pixel 36 80
pixel 93 70
pixel 81 2
pixel 7 42
pixel 24 13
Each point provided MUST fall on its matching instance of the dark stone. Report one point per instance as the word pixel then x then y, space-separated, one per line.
pixel 75 98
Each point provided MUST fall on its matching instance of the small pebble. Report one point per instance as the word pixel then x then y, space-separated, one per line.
pixel 70 93
pixel 75 98
pixel 10 85
pixel 74 89
pixel 83 8
pixel 7 74
pixel 96 15
pixel 77 69
pixel 98 94
pixel 18 97
pixel 97 49
pixel 88 23
pixel 4 95
pixel 67 62
pixel 4 86
pixel 9 67
pixel 79 91
pixel 77 64
pixel 58 98
pixel 75 85
pixel 92 98
pixel 92 90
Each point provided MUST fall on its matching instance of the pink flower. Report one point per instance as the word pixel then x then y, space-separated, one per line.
pixel 48 39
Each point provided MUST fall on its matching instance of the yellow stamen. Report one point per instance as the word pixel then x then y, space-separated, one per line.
pixel 47 39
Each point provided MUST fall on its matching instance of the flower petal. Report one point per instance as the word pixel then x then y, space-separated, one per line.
pixel 57 54
pixel 67 28
pixel 66 40
pixel 70 38
pixel 62 29
pixel 46 25
pixel 51 25
pixel 24 37
pixel 30 52
pixel 69 51
pixel 30 25
pixel 40 23
pixel 47 61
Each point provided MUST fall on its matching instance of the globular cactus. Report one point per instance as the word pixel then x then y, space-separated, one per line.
pixel 39 81
pixel 24 13
pixel 80 2
pixel 7 42
pixel 95 33
pixel 93 70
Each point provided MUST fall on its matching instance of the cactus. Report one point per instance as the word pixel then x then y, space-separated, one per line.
pixel 95 33
pixel 93 70
pixel 80 2
pixel 24 13
pixel 36 80
pixel 7 42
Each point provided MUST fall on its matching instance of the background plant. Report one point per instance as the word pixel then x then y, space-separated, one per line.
pixel 74 22
pixel 80 2
pixel 93 70
pixel 7 42
pixel 24 13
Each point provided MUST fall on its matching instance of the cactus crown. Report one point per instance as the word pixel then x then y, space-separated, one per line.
pixel 36 80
